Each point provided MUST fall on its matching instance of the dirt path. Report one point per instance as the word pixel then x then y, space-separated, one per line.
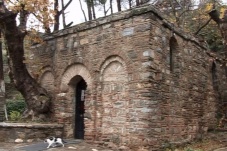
pixel 213 141
pixel 40 146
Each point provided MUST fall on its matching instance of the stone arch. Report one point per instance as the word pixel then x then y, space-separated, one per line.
pixel 47 81
pixel 114 79
pixel 72 71
pixel 110 59
pixel 69 81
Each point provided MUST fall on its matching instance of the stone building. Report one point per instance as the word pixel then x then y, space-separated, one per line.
pixel 129 79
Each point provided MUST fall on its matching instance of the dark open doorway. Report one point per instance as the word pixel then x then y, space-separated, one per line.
pixel 79 109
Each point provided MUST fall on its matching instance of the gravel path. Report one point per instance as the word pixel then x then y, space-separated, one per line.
pixel 71 145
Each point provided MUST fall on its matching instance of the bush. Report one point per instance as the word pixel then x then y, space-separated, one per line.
pixel 15 116
pixel 18 105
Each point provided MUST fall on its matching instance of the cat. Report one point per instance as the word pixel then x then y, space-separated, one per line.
pixel 52 141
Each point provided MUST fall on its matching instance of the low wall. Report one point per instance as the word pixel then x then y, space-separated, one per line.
pixel 26 132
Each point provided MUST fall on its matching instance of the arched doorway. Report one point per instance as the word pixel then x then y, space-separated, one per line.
pixel 75 125
pixel 80 88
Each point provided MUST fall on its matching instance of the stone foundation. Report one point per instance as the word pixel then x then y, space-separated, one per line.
pixel 27 132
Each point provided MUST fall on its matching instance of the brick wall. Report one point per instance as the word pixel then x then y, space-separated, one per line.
pixel 147 83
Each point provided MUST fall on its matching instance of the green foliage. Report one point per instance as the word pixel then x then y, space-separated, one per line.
pixel 197 21
pixel 18 96
pixel 18 106
pixel 15 116
pixel 167 146
pixel 213 37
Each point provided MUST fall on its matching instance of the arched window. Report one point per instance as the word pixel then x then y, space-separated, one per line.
pixel 173 47
pixel 214 76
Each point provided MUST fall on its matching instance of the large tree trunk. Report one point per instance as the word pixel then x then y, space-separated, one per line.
pixel 2 84
pixel 37 99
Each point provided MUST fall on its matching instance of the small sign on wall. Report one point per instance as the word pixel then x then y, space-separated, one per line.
pixel 82 95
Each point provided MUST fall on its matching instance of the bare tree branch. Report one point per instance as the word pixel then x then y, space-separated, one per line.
pixel 63 14
pixel 47 29
pixel 196 33
pixel 63 9
pixel 81 7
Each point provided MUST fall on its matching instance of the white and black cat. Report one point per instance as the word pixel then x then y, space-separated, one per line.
pixel 52 142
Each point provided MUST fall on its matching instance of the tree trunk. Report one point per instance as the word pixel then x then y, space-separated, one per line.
pixel 2 84
pixel 130 3
pixel 143 2
pixel 111 6
pixel 63 13
pixel 37 99
pixel 137 2
pixel 89 10
pixel 104 9
pixel 93 9
pixel 119 5
pixel 56 16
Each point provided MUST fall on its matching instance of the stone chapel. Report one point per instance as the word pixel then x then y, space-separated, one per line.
pixel 130 78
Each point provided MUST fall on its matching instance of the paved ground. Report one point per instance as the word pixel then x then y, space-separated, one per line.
pixel 72 145
pixel 214 141
pixel 40 146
